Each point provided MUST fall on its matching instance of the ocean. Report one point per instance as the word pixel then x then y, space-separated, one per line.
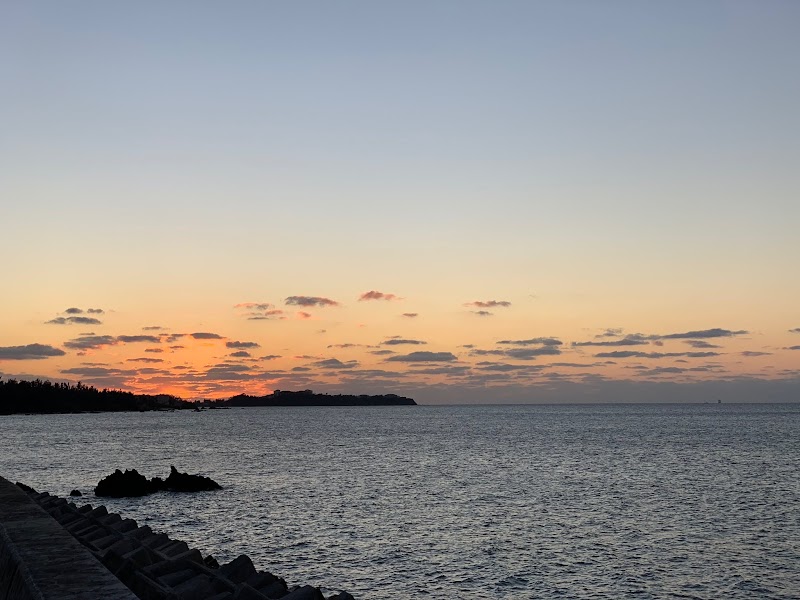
pixel 472 502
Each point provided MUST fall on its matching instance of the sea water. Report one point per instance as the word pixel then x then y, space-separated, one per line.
pixel 473 502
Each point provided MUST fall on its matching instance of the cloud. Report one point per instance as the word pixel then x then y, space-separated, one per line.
pixel 74 321
pixel 29 352
pixel 622 354
pixel 545 341
pixel 96 371
pixel 626 341
pixel 74 310
pixel 694 338
pixel 90 342
pixel 206 336
pixel 610 332
pixel 755 353
pixel 792 348
pixel 240 354
pixel 795 330
pixel 402 342
pixel 632 354
pixel 373 295
pixel 152 328
pixel 254 305
pixel 159 350
pixel 662 371
pixel 260 311
pixel 240 345
pixel 479 352
pixel 301 314
pixel 269 357
pixel 132 339
pixel 423 357
pixel 444 370
pixel 310 301
pixel 703 333
pixel 504 367
pixel 268 315
pixel 701 344
pixel 410 315
pixel 335 363
pixel 488 303
pixel 346 345
pixel 382 352
pixel 146 360
pixel 531 353
pixel 228 372
pixel 482 313
pixel 519 353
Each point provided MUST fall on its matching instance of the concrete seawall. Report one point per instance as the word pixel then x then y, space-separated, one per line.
pixel 52 549
pixel 39 560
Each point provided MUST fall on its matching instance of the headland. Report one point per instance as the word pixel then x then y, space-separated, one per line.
pixel 45 397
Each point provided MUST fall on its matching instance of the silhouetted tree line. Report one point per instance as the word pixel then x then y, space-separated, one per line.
pixel 40 396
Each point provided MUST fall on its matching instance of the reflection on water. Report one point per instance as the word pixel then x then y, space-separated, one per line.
pixel 469 502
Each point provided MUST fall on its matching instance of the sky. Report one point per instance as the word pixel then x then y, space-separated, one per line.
pixel 460 201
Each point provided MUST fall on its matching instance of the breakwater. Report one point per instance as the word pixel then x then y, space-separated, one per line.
pixel 52 549
pixel 40 560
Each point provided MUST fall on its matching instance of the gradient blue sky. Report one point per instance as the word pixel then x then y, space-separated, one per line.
pixel 596 164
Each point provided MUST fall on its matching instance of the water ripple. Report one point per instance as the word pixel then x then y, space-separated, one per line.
pixel 643 502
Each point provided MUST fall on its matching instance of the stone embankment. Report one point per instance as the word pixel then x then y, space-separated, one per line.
pixel 155 567
pixel 39 560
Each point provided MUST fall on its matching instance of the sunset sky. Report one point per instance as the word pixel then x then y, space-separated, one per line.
pixel 565 201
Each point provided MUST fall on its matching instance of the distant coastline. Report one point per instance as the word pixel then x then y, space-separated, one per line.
pixel 309 398
pixel 45 397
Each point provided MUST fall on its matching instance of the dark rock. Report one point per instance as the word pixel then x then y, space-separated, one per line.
pixel 341 596
pixel 245 592
pixel 123 485
pixel 132 483
pixel 239 569
pixel 25 488
pixel 211 562
pixel 183 482
pixel 276 589
pixel 305 592
pixel 198 586
pixel 75 493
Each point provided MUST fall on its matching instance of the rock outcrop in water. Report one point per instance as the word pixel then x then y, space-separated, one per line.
pixel 183 482
pixel 131 483
pixel 124 485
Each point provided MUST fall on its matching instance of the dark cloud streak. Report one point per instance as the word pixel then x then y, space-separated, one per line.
pixel 375 295
pixel 241 345
pixel 414 357
pixel 29 352
pixel 489 303
pixel 74 321
pixel 308 301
